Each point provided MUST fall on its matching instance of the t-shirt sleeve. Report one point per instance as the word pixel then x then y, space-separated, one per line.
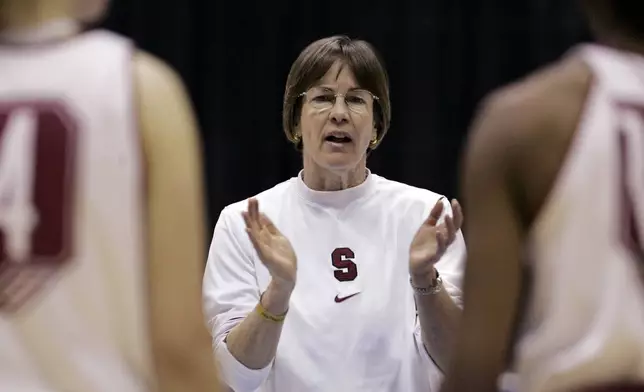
pixel 230 292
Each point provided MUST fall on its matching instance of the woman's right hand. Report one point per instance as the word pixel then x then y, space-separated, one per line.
pixel 273 248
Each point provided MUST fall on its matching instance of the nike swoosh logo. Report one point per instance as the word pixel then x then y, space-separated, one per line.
pixel 342 299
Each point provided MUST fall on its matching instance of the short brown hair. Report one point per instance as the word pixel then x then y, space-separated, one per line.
pixel 315 61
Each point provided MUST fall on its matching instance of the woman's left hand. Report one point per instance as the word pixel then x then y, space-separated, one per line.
pixel 432 240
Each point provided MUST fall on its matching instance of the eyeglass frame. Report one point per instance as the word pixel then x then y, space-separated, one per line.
pixel 336 95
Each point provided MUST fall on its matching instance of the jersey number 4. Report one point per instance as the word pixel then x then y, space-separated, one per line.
pixel 37 162
pixel 631 145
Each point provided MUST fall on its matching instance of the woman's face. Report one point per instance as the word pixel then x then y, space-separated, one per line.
pixel 336 122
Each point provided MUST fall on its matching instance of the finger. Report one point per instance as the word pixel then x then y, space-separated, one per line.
pixel 249 222
pixel 246 219
pixel 441 243
pixel 266 222
pixel 457 212
pixel 435 213
pixel 444 231
pixel 249 208
pixel 450 229
pixel 252 236
pixel 253 210
pixel 256 210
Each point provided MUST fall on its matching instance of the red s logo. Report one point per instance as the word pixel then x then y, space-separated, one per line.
pixel 342 259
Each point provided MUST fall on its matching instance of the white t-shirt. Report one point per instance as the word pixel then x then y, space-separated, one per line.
pixel 370 342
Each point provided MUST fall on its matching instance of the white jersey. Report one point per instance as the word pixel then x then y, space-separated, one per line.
pixel 352 323
pixel 71 189
pixel 585 319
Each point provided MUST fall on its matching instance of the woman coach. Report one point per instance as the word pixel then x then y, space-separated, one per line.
pixel 313 284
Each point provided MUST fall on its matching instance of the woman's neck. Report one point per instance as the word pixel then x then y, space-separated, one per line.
pixel 322 179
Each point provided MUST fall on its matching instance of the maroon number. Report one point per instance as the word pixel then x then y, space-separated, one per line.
pixel 629 228
pixel 342 259
pixel 36 231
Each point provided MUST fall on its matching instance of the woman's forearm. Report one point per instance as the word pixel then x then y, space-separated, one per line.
pixel 254 341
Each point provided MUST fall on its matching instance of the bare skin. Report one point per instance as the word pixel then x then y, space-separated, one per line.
pixel 517 145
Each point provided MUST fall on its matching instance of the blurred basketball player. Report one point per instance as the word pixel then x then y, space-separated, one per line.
pixel 101 232
pixel 555 172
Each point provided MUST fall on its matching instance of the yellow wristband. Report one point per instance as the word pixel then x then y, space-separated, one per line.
pixel 267 315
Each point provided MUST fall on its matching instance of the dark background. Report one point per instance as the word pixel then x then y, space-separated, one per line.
pixel 443 56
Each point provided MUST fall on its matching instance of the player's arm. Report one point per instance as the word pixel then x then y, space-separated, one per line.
pixel 180 342
pixel 493 234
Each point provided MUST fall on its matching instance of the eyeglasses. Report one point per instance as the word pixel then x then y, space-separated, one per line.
pixel 324 99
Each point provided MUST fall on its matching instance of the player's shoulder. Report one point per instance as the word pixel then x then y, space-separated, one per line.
pixel 399 196
pixel 530 110
pixel 164 106
pixel 153 73
pixel 539 97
